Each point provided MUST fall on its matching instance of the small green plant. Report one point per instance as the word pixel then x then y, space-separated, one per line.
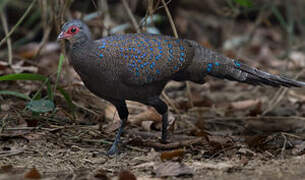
pixel 37 104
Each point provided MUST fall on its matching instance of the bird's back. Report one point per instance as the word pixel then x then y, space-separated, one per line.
pixel 145 58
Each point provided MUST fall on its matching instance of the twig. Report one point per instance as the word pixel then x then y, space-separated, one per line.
pixel 280 96
pixel 170 18
pixel 263 118
pixel 46 27
pixel 3 124
pixel 131 16
pixel 19 22
pixel 9 43
pixel 174 145
pixel 276 102
pixel 103 6
pixel 10 153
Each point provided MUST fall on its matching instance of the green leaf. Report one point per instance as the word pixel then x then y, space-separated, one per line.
pixel 244 3
pixel 17 94
pixel 23 76
pixel 61 60
pixel 40 106
pixel 32 77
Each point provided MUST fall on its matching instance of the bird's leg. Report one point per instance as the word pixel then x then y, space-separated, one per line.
pixel 164 127
pixel 123 114
pixel 114 146
pixel 161 108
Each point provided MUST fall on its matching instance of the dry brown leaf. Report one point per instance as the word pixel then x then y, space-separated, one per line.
pixel 178 153
pixel 126 175
pixel 147 125
pixel 32 174
pixel 246 104
pixel 225 166
pixel 111 113
pixel 297 59
pixel 149 115
pixel 297 96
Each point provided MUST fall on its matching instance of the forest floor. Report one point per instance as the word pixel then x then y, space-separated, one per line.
pixel 222 136
pixel 218 130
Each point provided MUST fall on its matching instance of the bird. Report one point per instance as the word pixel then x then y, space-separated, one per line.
pixel 137 67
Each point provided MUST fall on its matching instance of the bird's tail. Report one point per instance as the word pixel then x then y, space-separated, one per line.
pixel 219 66
pixel 243 73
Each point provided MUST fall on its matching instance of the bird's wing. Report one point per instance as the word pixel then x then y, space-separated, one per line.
pixel 147 58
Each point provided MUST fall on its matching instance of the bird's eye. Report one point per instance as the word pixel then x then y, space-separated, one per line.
pixel 73 29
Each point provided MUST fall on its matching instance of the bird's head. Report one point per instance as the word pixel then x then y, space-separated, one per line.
pixel 74 31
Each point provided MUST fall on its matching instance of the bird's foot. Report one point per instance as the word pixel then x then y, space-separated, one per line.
pixel 113 150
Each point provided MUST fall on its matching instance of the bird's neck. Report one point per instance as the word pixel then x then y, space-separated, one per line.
pixel 81 43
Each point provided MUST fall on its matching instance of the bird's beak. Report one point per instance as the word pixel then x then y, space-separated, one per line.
pixel 63 35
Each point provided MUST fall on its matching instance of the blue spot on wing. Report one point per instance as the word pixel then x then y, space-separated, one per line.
pixel 210 66
pixel 152 65
pixel 237 63
pixel 181 59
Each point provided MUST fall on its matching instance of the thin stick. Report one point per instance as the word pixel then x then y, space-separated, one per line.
pixel 19 22
pixel 9 42
pixel 131 16
pixel 46 27
pixel 280 96
pixel 103 6
pixel 171 21
pixel 170 18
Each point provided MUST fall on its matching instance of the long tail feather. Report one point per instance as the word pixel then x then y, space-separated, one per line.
pixel 217 65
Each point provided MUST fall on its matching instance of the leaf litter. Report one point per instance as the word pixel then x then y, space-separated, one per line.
pixel 222 136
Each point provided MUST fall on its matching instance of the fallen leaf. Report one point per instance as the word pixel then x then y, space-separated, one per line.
pixel 32 174
pixel 225 166
pixel 111 113
pixel 246 104
pixel 178 153
pixel 126 175
pixel 149 115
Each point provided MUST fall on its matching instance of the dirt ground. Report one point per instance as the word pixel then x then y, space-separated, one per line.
pixel 217 130
pixel 201 146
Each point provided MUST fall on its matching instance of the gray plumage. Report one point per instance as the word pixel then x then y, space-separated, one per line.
pixel 138 66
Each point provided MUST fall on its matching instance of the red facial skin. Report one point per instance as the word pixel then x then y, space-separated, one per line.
pixel 69 33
